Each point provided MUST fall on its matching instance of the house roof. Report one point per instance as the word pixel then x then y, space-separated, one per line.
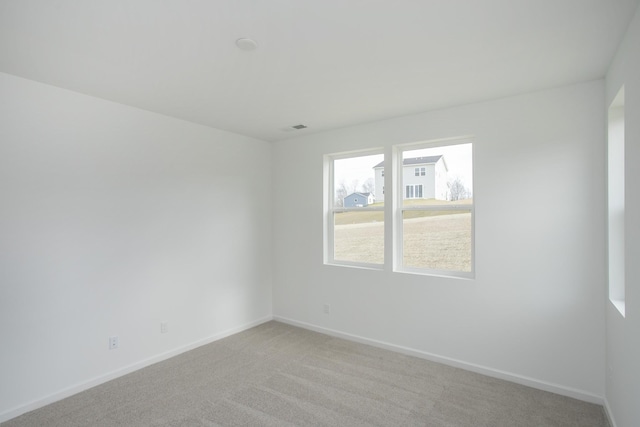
pixel 415 161
pixel 357 193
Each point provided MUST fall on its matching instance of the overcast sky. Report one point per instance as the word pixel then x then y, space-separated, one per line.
pixel 457 157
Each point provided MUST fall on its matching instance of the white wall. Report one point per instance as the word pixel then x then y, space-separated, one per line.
pixel 428 180
pixel 441 180
pixel 535 311
pixel 112 220
pixel 623 334
pixel 379 185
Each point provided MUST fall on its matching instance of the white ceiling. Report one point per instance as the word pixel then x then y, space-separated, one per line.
pixel 323 63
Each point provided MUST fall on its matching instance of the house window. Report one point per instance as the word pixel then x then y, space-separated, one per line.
pixel 616 202
pixel 413 191
pixel 434 228
pixel 354 231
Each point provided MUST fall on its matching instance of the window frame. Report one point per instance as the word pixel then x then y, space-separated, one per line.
pixel 399 208
pixel 616 209
pixel 393 208
pixel 330 209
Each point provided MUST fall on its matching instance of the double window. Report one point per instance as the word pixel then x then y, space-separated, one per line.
pixel 413 191
pixel 426 222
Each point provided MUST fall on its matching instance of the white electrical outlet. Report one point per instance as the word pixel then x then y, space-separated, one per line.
pixel 114 342
pixel 164 327
pixel 326 309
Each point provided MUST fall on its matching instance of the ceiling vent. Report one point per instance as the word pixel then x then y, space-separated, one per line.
pixel 293 128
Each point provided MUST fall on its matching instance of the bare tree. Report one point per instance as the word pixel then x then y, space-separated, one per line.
pixel 458 191
pixel 341 193
pixel 343 190
pixel 368 186
pixel 354 186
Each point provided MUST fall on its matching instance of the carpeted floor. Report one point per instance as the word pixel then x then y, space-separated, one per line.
pixel 280 375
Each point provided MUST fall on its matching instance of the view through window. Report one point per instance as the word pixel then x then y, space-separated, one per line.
pixel 616 202
pixel 357 214
pixel 437 208
pixel 433 190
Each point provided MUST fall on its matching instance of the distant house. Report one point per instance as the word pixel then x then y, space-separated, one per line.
pixel 422 178
pixel 358 200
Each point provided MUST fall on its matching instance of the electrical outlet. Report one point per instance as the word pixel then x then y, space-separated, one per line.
pixel 326 309
pixel 164 327
pixel 114 342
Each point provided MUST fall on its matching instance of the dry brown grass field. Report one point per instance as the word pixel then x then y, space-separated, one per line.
pixel 439 240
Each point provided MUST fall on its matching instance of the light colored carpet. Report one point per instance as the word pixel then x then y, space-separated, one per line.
pixel 280 375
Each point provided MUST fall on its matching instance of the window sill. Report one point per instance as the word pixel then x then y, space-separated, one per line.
pixel 373 267
pixel 619 304
pixel 437 273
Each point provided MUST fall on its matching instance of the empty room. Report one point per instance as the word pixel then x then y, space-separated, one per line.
pixel 302 213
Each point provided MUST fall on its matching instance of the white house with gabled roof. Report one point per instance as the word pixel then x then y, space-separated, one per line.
pixel 422 178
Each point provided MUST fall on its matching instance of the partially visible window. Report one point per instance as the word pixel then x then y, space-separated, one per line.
pixel 355 217
pixel 435 218
pixel 616 202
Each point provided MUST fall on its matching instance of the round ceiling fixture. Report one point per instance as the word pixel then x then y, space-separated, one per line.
pixel 247 44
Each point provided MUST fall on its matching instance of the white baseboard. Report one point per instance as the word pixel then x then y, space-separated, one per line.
pixel 495 373
pixel 609 413
pixel 77 388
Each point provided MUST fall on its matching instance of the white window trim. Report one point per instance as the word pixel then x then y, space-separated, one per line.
pixel 393 208
pixel 330 209
pixel 398 209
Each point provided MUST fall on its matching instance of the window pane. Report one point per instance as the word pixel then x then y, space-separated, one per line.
pixel 616 196
pixel 359 236
pixel 445 174
pixel 438 240
pixel 360 178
